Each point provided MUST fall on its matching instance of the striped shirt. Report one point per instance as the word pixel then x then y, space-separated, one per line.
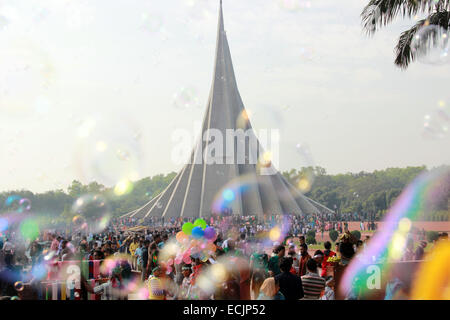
pixel 313 285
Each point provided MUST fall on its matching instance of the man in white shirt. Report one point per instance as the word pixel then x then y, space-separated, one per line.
pixel 8 247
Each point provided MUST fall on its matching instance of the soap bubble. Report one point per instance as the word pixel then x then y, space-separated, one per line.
pixel 19 286
pixel 94 209
pixel 431 45
pixel 425 194
pixel 24 205
pixel 294 5
pixel 29 229
pixel 107 151
pixel 3 224
pixel 306 176
pixel 186 98
pixel 151 22
pixel 437 123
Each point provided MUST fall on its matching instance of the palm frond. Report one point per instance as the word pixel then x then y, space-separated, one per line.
pixel 379 13
pixel 404 54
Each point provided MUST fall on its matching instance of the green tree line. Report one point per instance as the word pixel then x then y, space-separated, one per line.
pixel 372 192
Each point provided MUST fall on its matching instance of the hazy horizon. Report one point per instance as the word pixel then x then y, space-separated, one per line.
pixel 78 76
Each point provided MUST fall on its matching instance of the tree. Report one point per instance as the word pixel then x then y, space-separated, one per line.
pixel 356 234
pixel 432 236
pixel 333 235
pixel 379 13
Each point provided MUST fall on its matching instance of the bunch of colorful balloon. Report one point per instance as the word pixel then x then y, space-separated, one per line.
pixel 196 240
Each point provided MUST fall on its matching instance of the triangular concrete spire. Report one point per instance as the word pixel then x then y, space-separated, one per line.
pixel 194 189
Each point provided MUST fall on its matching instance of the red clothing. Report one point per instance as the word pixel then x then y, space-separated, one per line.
pixel 302 264
pixel 54 246
pixel 325 263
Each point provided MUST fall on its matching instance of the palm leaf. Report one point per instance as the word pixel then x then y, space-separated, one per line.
pixel 404 54
pixel 379 13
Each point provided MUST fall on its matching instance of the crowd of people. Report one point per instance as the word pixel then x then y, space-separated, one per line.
pixel 277 270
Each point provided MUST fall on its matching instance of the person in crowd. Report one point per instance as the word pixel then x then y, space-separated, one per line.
pixel 420 251
pixel 318 257
pixel 258 278
pixel 295 260
pixel 138 255
pixel 185 287
pixel 359 246
pixel 346 250
pixel 229 289
pixel 290 285
pixel 259 261
pixel 9 276
pixel 156 288
pixel 270 290
pixel 304 257
pixel 145 260
pixel 313 284
pixel 327 253
pixel 274 262
pixel 132 249
pixel 409 251
pixel 329 289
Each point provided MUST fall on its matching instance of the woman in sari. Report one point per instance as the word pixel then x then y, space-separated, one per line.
pixel 270 290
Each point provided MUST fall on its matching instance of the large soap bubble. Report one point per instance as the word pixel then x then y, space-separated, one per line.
pixel 429 191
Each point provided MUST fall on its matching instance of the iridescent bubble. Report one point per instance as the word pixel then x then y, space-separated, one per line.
pixel 39 271
pixel 79 14
pixel 15 298
pixel 266 117
pixel 421 197
pixel 294 5
pixel 3 22
pixel 307 54
pixel 3 224
pixel 24 68
pixel 123 155
pixel 243 120
pixel 108 152
pixel 186 98
pixel 29 229
pixel 201 10
pixel 123 187
pixel 19 286
pixel 151 22
pixel 431 282
pixel 238 187
pixel 24 205
pixel 275 234
pixel 11 199
pixel 306 176
pixel 78 222
pixel 431 45
pixel 94 209
pixel 437 123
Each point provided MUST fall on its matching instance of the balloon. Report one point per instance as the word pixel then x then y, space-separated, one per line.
pixel 178 259
pixel 187 259
pixel 211 247
pixel 200 223
pixel 210 233
pixel 187 228
pixel 181 237
pixel 197 232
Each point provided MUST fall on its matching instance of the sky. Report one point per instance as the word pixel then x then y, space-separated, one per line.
pixel 93 90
